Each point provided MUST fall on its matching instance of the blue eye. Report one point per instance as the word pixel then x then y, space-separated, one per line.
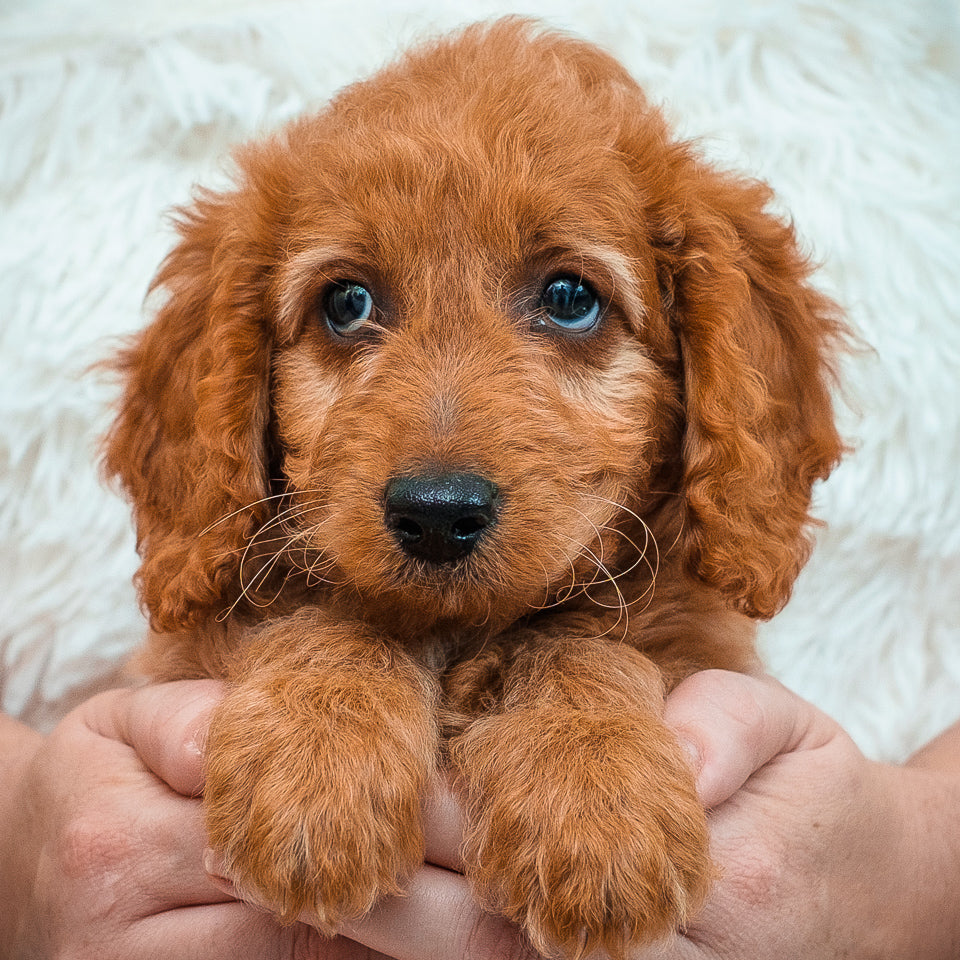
pixel 347 306
pixel 571 304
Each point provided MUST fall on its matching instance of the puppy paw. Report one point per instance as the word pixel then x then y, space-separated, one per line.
pixel 316 810
pixel 586 830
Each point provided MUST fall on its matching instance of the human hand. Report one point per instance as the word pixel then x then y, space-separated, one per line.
pixel 823 854
pixel 821 850
pixel 102 837
pixel 102 840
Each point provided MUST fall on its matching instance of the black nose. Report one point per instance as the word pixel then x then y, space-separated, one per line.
pixel 440 519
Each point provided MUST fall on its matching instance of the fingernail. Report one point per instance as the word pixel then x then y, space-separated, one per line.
pixel 692 754
pixel 214 864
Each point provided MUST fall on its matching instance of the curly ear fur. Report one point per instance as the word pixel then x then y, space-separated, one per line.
pixel 188 444
pixel 755 340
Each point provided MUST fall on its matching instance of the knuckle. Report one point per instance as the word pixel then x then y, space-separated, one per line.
pixel 489 937
pixel 307 943
pixel 89 848
pixel 733 699
pixel 758 880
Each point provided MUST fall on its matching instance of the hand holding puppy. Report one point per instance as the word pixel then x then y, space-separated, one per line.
pixel 822 853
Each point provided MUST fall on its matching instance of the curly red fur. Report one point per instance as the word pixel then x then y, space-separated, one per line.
pixel 653 479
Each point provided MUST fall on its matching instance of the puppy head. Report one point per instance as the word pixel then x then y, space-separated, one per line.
pixel 449 339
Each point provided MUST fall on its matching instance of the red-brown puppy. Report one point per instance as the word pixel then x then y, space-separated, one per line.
pixel 478 414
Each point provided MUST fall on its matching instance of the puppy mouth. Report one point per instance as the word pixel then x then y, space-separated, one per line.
pixel 436 545
pixel 438 520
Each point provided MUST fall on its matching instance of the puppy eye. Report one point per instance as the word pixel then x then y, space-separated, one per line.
pixel 347 306
pixel 570 303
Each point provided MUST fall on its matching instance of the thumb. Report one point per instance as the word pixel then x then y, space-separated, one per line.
pixel 734 724
pixel 165 725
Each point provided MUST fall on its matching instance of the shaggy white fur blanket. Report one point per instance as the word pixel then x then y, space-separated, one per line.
pixel 109 111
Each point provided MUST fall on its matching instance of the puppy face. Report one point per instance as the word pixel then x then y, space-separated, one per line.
pixel 476 321
pixel 453 344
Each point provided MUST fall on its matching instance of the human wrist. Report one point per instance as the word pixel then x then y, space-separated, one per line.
pixel 929 809
pixel 942 754
pixel 18 747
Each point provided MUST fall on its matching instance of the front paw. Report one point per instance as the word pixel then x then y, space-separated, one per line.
pixel 585 828
pixel 317 812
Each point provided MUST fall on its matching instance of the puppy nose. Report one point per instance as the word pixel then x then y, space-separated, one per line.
pixel 440 519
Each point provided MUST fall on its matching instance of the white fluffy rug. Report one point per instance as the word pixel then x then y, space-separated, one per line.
pixel 111 110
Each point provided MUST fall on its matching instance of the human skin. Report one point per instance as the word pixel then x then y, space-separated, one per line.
pixel 101 838
pixel 101 843
pixel 823 854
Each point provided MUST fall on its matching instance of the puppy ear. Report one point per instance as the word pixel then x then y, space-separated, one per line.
pixel 756 342
pixel 189 441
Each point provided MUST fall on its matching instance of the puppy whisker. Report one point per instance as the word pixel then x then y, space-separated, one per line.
pixel 573 589
pixel 649 540
pixel 621 607
pixel 290 542
pixel 247 588
pixel 281 519
pixel 604 575
pixel 608 527
pixel 250 506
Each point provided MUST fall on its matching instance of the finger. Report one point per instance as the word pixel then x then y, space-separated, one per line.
pixel 236 931
pixel 175 836
pixel 436 919
pixel 435 902
pixel 735 724
pixel 165 724
pixel 676 947
pixel 443 830
pixel 443 826
pixel 150 740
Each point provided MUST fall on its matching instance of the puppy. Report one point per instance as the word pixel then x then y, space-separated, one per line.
pixel 479 414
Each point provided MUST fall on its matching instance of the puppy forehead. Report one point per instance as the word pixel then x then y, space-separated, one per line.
pixel 499 140
pixel 453 197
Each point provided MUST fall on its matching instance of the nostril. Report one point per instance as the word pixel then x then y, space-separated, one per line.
pixel 440 518
pixel 407 529
pixel 469 527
